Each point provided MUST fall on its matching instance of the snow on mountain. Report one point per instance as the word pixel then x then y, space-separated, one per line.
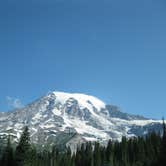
pixel 85 101
pixel 73 116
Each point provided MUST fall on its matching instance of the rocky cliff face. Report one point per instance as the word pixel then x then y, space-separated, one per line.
pixel 73 118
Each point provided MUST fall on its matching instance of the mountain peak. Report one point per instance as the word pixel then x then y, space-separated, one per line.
pixel 59 112
pixel 83 99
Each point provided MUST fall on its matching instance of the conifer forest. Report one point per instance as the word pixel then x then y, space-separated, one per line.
pixel 137 151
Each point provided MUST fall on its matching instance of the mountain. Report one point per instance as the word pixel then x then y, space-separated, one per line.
pixel 72 118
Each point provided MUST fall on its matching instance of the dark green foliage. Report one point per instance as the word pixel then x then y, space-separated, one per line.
pixel 7 157
pixel 23 150
pixel 141 151
pixel 97 154
pixel 162 156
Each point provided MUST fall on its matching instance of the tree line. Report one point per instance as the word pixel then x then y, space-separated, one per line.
pixel 138 151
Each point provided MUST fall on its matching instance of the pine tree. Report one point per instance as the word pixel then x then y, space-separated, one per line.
pixel 31 159
pixel 54 156
pixel 162 157
pixel 78 157
pixel 109 153
pixel 7 158
pixel 89 154
pixel 97 155
pixel 73 160
pixel 23 148
pixel 124 151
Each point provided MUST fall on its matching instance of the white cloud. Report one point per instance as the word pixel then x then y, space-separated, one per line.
pixel 14 102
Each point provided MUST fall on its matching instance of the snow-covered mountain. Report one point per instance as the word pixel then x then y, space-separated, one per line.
pixel 72 118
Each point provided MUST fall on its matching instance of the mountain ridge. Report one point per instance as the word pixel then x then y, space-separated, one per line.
pixel 58 112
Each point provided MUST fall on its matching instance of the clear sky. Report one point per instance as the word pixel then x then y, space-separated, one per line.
pixel 112 49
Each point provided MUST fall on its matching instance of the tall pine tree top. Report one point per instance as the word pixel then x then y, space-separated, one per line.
pixel 23 147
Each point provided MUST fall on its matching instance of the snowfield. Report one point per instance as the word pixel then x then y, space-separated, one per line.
pixel 84 115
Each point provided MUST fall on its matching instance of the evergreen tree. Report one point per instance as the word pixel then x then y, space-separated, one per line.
pixel 97 155
pixel 73 160
pixel 109 152
pixel 162 157
pixel 7 158
pixel 31 158
pixel 89 154
pixel 124 151
pixel 78 157
pixel 23 148
pixel 54 156
pixel 140 151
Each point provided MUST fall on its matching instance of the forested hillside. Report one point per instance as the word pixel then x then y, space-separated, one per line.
pixel 140 151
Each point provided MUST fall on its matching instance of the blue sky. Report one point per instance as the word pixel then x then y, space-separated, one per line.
pixel 112 49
